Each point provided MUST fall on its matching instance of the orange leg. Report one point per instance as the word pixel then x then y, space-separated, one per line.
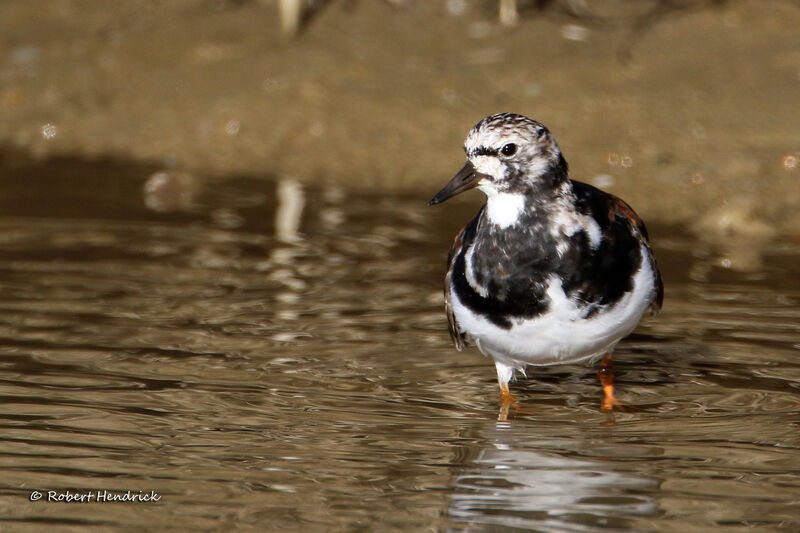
pixel 507 401
pixel 605 372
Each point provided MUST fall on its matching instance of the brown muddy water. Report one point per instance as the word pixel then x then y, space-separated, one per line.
pixel 267 356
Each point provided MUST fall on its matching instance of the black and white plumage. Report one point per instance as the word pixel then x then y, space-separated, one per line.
pixel 550 270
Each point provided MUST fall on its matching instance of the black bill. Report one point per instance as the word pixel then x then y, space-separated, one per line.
pixel 465 179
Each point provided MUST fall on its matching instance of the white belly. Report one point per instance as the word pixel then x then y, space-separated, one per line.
pixel 559 335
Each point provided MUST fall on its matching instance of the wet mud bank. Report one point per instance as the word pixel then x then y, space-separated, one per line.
pixel 690 115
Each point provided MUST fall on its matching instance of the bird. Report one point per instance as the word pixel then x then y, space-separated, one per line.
pixel 551 270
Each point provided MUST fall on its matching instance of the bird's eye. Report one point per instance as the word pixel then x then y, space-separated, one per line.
pixel 508 149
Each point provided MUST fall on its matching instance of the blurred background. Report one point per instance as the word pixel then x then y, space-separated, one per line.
pixel 689 109
pixel 220 280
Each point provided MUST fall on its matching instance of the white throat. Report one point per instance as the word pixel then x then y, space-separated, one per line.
pixel 502 208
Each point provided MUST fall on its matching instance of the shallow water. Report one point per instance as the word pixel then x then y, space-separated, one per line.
pixel 267 356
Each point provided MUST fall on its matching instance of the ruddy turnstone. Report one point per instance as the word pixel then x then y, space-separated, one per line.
pixel 550 270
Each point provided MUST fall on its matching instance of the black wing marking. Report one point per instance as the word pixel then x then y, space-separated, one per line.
pixel 623 231
pixel 460 243
pixel 459 338
pixel 620 208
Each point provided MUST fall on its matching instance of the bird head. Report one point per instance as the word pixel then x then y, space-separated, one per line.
pixel 507 153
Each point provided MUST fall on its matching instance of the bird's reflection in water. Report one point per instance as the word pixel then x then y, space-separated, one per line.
pixel 560 483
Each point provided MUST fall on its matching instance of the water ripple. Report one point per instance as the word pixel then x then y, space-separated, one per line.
pixel 272 356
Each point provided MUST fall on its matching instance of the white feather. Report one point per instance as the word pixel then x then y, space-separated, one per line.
pixel 489 165
pixel 567 222
pixel 470 274
pixel 503 209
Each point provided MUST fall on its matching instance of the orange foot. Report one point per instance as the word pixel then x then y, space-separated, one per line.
pixel 507 401
pixel 610 403
pixel 605 372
